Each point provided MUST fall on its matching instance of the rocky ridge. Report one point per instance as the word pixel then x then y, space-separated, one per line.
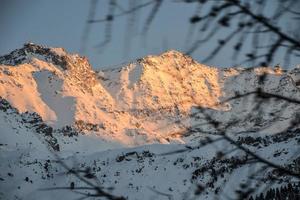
pixel 139 102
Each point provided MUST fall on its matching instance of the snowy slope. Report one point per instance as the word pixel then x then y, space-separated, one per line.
pixel 118 122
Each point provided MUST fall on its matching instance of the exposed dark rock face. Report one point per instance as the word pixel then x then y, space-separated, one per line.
pixel 139 156
pixel 31 118
pixel 293 133
pixel 5 105
pixel 20 55
pixel 85 126
pixel 34 122
pixel 69 131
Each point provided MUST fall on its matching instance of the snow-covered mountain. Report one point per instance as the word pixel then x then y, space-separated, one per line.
pixel 53 101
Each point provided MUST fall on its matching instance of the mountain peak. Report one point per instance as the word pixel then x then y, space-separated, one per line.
pixel 30 50
pixel 172 52
pixel 57 56
pixel 172 59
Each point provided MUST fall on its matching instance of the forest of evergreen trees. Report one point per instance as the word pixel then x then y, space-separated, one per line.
pixel 288 192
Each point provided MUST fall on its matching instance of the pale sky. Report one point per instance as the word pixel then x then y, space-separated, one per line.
pixel 60 23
